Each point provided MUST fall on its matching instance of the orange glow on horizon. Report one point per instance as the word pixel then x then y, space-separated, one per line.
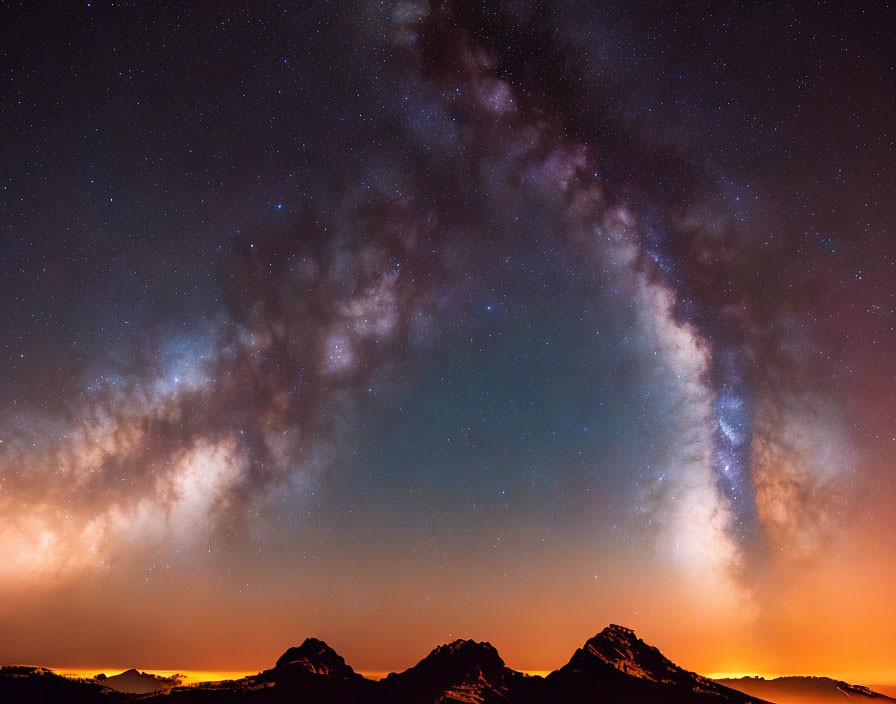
pixel 186 676
pixel 197 676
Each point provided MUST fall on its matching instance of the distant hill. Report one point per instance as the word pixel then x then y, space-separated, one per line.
pixel 806 690
pixel 135 682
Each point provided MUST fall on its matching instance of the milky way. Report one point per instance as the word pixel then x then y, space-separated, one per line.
pixel 473 275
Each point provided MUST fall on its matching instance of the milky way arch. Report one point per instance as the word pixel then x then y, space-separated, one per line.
pixel 482 167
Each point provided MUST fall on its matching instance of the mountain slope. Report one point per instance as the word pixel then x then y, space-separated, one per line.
pixel 806 690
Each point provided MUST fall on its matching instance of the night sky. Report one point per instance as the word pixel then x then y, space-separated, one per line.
pixel 395 322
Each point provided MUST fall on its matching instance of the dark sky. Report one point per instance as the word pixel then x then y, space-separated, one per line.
pixel 505 319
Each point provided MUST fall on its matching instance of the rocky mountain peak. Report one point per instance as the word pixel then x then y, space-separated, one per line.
pixel 317 657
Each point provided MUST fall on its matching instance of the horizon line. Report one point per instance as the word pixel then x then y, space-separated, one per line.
pixel 192 675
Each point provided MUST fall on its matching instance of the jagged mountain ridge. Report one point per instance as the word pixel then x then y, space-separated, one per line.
pixel 613 666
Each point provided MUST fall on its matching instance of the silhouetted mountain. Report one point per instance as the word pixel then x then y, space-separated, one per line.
pixel 136 682
pixel 41 686
pixel 617 665
pixel 806 690
pixel 317 657
pixel 315 671
pixel 614 666
pixel 462 671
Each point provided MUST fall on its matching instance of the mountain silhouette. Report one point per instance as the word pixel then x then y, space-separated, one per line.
pixel 462 671
pixel 613 666
pixel 313 670
pixel 617 665
pixel 317 657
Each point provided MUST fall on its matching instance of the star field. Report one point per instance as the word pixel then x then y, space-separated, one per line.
pixel 502 316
